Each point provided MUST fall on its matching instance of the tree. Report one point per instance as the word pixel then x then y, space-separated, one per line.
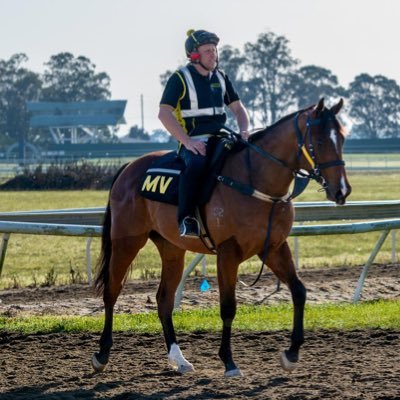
pixel 68 78
pixel 233 63
pixel 17 86
pixel 138 133
pixel 270 64
pixel 375 107
pixel 309 83
pixel 161 136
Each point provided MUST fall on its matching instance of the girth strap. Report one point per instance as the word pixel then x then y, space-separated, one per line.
pixel 250 191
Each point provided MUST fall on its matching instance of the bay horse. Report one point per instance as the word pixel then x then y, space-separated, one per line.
pixel 309 142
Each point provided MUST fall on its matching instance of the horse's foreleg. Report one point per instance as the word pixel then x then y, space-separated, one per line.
pixel 171 274
pixel 123 252
pixel 227 264
pixel 281 263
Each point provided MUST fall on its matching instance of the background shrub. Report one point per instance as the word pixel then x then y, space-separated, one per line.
pixel 71 175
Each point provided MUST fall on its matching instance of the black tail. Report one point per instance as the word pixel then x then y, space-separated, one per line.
pixel 102 268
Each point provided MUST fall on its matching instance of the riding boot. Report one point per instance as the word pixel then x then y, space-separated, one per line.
pixel 190 182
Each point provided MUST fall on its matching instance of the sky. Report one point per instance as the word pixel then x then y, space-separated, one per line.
pixel 134 41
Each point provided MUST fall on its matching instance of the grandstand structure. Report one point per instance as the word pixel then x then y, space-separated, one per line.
pixel 76 122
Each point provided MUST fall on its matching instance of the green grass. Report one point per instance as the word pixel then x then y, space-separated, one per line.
pixel 377 314
pixel 30 258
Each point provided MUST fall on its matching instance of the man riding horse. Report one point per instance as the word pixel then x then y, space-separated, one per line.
pixel 192 110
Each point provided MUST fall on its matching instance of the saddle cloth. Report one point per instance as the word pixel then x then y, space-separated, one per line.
pixel 161 181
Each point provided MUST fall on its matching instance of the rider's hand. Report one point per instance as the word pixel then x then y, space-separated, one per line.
pixel 244 134
pixel 196 146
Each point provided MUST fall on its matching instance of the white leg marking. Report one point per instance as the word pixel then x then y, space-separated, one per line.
pixel 177 361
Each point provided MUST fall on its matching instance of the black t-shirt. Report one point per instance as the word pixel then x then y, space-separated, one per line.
pixel 209 95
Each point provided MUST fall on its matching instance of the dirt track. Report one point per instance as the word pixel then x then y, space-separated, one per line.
pixel 334 364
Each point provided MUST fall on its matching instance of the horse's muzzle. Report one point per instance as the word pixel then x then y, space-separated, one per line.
pixel 340 195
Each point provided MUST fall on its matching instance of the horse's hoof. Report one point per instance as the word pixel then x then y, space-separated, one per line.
pixel 233 372
pixel 181 368
pixel 286 364
pixel 177 361
pixel 97 365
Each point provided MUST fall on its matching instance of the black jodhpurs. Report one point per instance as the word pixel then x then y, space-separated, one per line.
pixel 190 182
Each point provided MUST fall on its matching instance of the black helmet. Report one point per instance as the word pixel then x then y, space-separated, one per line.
pixel 198 38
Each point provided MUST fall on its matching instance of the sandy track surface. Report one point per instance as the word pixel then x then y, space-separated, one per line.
pixel 360 364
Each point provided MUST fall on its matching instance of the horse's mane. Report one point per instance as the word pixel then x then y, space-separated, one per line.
pixel 324 115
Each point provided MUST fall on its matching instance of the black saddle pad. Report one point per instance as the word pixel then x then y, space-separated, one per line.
pixel 161 181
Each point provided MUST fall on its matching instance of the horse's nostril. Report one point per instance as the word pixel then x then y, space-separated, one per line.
pixel 340 197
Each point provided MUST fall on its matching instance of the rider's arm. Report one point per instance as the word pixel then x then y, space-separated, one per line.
pixel 168 119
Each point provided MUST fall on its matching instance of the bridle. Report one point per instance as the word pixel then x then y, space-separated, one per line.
pixel 302 176
pixel 309 154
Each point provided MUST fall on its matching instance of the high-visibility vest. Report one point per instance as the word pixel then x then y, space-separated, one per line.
pixel 195 110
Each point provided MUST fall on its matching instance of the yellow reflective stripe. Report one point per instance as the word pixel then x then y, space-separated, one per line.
pixel 184 85
pixel 307 156
pixel 179 117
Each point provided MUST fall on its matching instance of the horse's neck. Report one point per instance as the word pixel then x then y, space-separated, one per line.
pixel 268 176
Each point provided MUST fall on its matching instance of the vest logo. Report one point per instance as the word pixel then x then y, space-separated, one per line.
pixel 216 85
pixel 158 183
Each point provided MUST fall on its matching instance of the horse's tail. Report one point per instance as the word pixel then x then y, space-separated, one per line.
pixel 103 263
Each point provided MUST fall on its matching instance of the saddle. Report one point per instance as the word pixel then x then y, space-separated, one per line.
pixel 161 180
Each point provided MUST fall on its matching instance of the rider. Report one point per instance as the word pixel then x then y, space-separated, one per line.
pixel 192 110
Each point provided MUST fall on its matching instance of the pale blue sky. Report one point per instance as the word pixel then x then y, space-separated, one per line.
pixel 135 41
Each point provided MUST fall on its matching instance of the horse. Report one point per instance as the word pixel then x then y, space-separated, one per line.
pixel 308 143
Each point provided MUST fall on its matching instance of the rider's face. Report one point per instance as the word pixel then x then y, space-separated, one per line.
pixel 208 56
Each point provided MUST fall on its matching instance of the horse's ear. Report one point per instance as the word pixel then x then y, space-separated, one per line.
pixel 320 105
pixel 337 107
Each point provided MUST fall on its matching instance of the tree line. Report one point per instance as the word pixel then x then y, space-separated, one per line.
pixel 270 80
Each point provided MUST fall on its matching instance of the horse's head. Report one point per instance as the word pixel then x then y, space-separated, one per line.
pixel 323 147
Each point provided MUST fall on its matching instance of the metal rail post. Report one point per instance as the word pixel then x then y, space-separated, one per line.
pixel 361 279
pixel 89 260
pixel 394 254
pixel 3 250
pixel 186 273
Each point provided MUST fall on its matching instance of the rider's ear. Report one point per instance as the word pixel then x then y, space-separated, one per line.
pixel 336 108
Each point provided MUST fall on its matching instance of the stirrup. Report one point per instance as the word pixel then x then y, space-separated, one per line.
pixel 189 227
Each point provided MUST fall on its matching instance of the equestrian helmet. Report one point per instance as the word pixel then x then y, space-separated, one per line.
pixel 195 39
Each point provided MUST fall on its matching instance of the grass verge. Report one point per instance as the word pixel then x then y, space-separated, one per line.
pixel 377 314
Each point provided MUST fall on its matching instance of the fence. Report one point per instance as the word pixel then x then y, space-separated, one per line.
pixel 86 223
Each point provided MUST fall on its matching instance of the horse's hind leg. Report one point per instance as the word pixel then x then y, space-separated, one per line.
pixel 281 263
pixel 172 267
pixel 123 252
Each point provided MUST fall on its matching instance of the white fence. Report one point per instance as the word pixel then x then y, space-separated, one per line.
pixel 87 223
